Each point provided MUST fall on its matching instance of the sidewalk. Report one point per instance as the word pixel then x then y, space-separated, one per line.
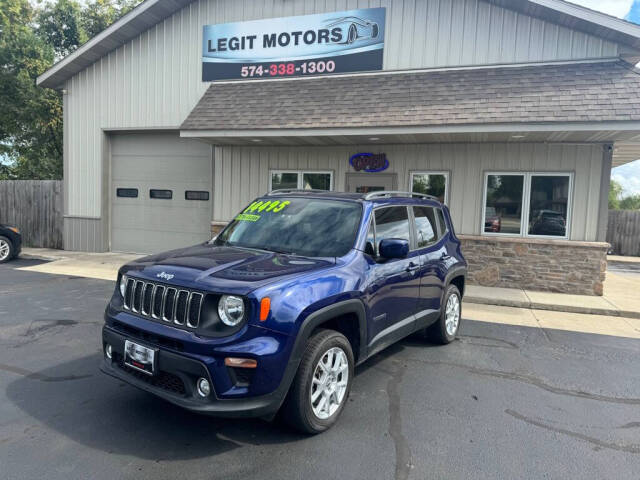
pixel 621 292
pixel 103 266
pixel 621 298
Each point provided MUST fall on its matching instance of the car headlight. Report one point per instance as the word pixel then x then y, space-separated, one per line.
pixel 231 310
pixel 123 285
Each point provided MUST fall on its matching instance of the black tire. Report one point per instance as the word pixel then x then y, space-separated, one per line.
pixel 438 331
pixel 11 249
pixel 297 410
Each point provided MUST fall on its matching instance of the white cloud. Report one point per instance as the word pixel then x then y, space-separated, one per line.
pixel 617 8
pixel 628 176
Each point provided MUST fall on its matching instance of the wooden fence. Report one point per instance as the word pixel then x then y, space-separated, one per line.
pixel 623 232
pixel 35 207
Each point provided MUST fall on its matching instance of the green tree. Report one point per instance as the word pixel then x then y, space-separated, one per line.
pixel 99 14
pixel 630 202
pixel 31 39
pixel 615 192
pixel 30 117
pixel 60 25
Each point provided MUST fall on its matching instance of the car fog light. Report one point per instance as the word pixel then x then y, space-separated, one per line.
pixel 204 389
pixel 108 350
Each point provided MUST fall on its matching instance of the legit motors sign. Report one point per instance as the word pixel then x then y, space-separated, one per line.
pixel 338 42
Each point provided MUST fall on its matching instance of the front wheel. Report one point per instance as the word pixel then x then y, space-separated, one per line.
pixel 446 328
pixel 6 249
pixel 321 387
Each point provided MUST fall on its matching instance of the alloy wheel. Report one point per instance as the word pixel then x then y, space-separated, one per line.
pixel 329 383
pixel 5 249
pixel 452 315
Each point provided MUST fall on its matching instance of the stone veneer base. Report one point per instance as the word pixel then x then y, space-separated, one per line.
pixel 561 266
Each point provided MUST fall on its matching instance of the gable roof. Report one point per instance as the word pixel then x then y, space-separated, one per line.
pixel 577 17
pixel 551 94
pixel 151 12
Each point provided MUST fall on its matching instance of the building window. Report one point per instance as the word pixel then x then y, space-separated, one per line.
pixel 549 205
pixel 161 194
pixel 431 183
pixel 503 204
pixel 301 180
pixel 196 195
pixel 127 192
pixel 527 204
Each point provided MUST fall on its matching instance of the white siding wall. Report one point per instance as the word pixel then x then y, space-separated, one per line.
pixel 242 173
pixel 154 80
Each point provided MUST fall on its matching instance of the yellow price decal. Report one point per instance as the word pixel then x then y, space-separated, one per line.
pixel 274 206
pixel 280 207
pixel 247 217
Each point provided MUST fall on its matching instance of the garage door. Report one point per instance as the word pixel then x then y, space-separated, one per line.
pixel 160 192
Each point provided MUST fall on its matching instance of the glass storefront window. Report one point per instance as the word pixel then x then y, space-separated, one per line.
pixel 301 180
pixel 503 204
pixel 548 205
pixel 527 204
pixel 316 181
pixel 284 180
pixel 430 183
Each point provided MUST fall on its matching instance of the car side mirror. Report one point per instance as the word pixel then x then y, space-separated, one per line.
pixel 394 248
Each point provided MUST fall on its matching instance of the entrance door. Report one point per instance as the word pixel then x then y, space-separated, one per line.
pixel 370 182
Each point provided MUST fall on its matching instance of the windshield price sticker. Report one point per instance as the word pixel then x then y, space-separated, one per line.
pixel 272 206
pixel 248 218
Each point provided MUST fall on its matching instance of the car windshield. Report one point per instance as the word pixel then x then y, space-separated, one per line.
pixel 298 226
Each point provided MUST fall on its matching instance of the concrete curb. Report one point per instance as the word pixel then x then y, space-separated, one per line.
pixel 31 256
pixel 552 307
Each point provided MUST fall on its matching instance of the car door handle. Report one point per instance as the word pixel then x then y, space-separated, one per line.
pixel 412 267
pixel 444 256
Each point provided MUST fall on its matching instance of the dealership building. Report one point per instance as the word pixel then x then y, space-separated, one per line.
pixel 513 112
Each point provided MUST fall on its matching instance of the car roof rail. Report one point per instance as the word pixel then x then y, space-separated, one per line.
pixel 396 193
pixel 282 191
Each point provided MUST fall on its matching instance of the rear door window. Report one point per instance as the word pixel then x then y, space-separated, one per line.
pixel 426 226
pixel 441 222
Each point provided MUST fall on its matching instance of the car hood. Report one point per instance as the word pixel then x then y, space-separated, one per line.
pixel 228 269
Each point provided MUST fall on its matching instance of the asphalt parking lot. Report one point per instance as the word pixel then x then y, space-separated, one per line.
pixel 503 401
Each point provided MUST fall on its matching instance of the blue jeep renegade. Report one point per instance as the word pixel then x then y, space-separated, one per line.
pixel 274 313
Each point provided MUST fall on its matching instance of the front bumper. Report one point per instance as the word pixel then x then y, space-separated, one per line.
pixel 17 246
pixel 176 378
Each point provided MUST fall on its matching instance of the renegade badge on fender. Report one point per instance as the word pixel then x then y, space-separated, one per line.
pixel 275 312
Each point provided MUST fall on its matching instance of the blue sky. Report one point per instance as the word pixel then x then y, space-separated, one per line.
pixel 629 9
pixel 628 175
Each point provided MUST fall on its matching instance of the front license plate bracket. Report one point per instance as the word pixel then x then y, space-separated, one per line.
pixel 140 358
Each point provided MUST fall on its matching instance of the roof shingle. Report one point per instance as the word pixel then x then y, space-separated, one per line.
pixel 559 93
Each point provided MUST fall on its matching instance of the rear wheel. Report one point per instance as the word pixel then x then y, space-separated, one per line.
pixel 321 386
pixel 6 249
pixel 446 328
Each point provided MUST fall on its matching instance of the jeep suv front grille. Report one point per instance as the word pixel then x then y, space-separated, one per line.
pixel 159 302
